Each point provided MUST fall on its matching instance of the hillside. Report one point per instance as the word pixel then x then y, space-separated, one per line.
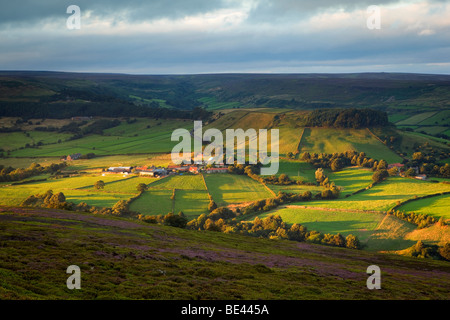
pixel 75 93
pixel 128 259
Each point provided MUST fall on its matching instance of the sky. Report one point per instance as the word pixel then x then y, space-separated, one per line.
pixel 226 36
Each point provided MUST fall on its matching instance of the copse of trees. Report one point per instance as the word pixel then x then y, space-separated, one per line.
pixel 337 161
pixel 272 227
pixel 179 220
pixel 10 174
pixel 114 109
pixel 346 118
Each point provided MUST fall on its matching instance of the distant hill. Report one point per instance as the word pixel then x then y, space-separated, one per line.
pixel 73 94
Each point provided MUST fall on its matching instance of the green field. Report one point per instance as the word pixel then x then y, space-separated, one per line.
pixel 329 140
pixel 434 206
pixel 297 170
pixel 440 118
pixel 76 189
pixel 190 196
pixel 327 221
pixel 384 195
pixel 351 179
pixel 416 119
pixel 192 202
pixel 227 189
pixel 185 182
pixel 123 139
pixel 153 202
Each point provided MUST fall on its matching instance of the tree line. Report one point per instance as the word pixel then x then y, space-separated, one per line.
pixel 10 174
pixel 346 118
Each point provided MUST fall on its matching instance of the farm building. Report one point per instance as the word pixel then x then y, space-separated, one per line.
pixel 395 165
pixel 178 168
pixel 153 172
pixel 120 169
pixel 74 156
pixel 193 169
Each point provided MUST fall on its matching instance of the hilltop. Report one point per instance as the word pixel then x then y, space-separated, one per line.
pixel 62 95
pixel 122 258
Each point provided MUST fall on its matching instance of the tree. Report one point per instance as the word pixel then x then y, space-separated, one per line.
pixel 410 172
pixel 141 187
pixel 120 208
pixel 178 221
pixel 352 242
pixel 100 184
pixel 380 175
pixel 320 175
pixel 307 195
pixel 284 179
pixel 445 251
pixel 382 165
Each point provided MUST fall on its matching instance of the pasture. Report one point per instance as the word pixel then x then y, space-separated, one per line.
pixel 384 195
pixel 76 189
pixel 153 202
pixel 434 206
pixel 329 140
pixel 229 188
pixel 351 179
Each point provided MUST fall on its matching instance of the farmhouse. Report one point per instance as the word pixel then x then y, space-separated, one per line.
pixel 74 156
pixel 395 165
pixel 193 169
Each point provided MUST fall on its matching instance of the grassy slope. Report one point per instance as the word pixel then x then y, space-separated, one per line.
pixel 384 196
pixel 122 259
pixel 434 206
pixel 226 189
pixel 329 140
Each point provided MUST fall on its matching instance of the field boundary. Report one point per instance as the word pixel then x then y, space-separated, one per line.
pixel 206 186
pixel 333 209
pixel 397 206
pixel 300 140
pixel 393 150
pixel 270 190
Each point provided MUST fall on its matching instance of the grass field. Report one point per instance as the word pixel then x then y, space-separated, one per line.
pixel 76 189
pixel 192 202
pixel 299 189
pixel 123 139
pixel 375 231
pixel 297 170
pixel 435 206
pixel 227 189
pixel 351 179
pixel 329 140
pixel 383 196
pixel 440 118
pixel 185 182
pixel 153 202
pixel 416 119
pixel 190 196
pixel 356 223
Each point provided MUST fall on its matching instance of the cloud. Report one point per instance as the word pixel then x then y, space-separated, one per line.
pixel 183 36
